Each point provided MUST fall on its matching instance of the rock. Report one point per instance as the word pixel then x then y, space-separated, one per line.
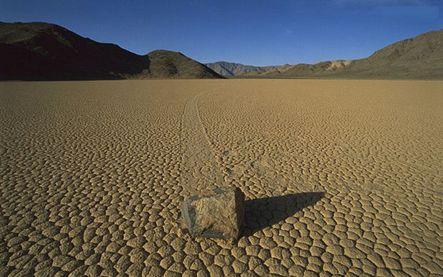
pixel 218 214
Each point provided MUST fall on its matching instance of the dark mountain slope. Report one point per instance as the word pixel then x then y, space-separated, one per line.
pixel 47 51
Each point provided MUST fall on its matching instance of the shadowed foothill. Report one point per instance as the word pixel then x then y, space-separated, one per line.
pixel 265 212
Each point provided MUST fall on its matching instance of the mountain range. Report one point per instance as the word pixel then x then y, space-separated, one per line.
pixel 420 57
pixel 43 51
pixel 229 69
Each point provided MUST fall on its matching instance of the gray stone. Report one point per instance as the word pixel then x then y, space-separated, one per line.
pixel 218 214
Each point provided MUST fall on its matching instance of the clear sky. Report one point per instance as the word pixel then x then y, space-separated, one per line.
pixel 258 32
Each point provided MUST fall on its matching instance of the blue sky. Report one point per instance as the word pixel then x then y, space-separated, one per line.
pixel 259 32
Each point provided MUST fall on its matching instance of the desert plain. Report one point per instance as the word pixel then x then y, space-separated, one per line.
pixel 341 177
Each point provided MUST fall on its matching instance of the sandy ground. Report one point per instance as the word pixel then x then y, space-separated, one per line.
pixel 341 177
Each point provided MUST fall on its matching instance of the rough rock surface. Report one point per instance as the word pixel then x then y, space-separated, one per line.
pixel 217 215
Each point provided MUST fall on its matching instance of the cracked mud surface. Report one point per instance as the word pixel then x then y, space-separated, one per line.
pixel 342 177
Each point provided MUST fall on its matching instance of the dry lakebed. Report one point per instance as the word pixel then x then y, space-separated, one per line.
pixel 341 177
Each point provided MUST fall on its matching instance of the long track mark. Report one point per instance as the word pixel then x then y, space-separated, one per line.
pixel 199 168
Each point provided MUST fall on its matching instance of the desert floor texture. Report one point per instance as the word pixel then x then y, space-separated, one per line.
pixel 341 177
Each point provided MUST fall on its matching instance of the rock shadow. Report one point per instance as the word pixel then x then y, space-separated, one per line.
pixel 265 212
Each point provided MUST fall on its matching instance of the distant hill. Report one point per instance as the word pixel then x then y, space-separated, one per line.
pixel 235 69
pixel 228 69
pixel 43 51
pixel 321 69
pixel 420 57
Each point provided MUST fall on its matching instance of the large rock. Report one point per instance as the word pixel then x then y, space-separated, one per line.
pixel 218 214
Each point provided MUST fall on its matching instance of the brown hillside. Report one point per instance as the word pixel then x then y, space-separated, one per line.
pixel 172 64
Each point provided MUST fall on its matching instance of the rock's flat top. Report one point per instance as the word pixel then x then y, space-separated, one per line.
pixel 219 214
pixel 90 176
